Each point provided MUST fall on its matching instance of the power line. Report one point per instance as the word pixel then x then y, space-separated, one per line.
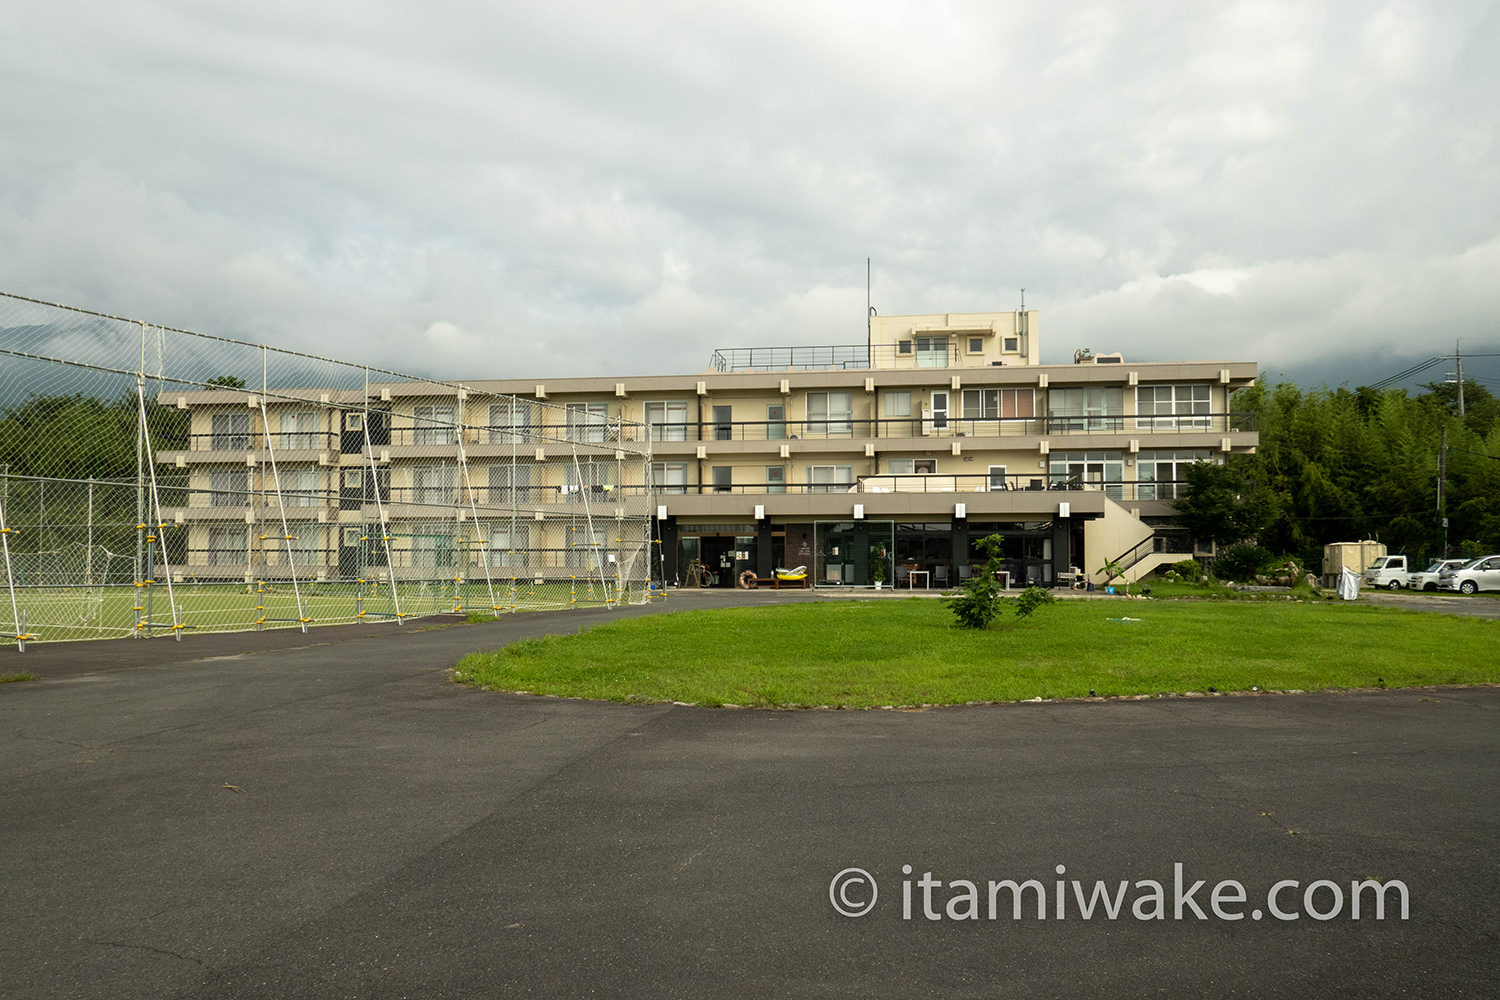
pixel 1413 370
pixel 1422 366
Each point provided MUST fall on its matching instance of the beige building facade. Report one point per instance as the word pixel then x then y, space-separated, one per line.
pixel 875 464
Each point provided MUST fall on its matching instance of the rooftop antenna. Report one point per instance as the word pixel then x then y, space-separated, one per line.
pixel 869 326
pixel 1022 327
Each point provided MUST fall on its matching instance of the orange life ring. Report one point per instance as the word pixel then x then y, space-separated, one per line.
pixel 747 579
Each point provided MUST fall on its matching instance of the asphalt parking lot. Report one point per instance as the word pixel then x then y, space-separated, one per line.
pixel 326 815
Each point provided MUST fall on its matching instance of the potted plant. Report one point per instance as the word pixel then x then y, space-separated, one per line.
pixel 1112 571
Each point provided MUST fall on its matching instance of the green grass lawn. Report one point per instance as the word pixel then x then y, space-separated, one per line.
pixel 894 653
pixel 65 613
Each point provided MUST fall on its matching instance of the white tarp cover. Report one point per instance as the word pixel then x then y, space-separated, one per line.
pixel 1348 584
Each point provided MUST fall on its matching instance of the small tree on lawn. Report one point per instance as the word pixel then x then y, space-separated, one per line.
pixel 979 600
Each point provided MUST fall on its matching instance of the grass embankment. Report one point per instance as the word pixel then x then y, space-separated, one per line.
pixel 882 653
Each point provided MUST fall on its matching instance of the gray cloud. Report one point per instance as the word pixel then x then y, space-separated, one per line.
pixel 470 189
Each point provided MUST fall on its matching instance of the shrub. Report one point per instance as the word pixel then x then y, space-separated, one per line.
pixel 1242 562
pixel 1187 569
pixel 977 602
pixel 1030 599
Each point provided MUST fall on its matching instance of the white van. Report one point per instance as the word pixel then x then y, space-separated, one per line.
pixel 1390 572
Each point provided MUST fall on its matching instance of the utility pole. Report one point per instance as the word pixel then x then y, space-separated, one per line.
pixel 1458 353
pixel 1442 478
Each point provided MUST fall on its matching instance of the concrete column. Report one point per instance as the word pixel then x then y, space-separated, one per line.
pixel 1060 539
pixel 960 537
pixel 763 565
pixel 666 533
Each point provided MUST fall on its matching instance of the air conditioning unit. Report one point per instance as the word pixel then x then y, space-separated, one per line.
pixel 1109 359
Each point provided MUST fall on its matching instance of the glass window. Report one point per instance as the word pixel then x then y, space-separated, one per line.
pixel 432 423
pixel 598 474
pixel 1173 407
pixel 432 484
pixel 981 404
pixel 1086 408
pixel 1012 345
pixel 306 543
pixel 226 545
pixel 903 347
pixel 668 420
pixel 775 422
pixel 723 423
pixel 587 421
pixel 932 352
pixel 829 478
pixel 299 486
pixel 976 345
pixel 1017 403
pixel 300 429
pixel 723 478
pixel 510 421
pixel 231 431
pixel 510 483
pixel 897 411
pixel 1162 474
pixel 229 487
pixel 505 543
pixel 775 479
pixel 670 477
pixel 830 414
pixel 1103 469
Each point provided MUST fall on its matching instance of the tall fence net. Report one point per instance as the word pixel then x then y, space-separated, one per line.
pixel 156 481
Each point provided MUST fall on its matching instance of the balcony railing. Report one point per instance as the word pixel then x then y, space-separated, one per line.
pixel 256 441
pixel 829 428
pixel 836 427
pixel 837 357
pixel 769 359
pixel 303 504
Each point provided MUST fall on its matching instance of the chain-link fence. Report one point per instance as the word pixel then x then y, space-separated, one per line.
pixel 158 481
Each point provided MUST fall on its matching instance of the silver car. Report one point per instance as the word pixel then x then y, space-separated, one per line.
pixel 1481 574
pixel 1427 579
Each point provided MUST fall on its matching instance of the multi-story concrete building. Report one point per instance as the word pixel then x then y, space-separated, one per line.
pixel 880 463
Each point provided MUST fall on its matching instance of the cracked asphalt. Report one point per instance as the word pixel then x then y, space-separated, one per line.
pixel 326 815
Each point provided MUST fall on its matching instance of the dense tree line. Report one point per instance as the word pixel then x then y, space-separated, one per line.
pixel 1339 465
pixel 81 437
pixel 50 446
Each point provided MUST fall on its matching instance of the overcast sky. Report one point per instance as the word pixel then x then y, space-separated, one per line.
pixel 499 189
